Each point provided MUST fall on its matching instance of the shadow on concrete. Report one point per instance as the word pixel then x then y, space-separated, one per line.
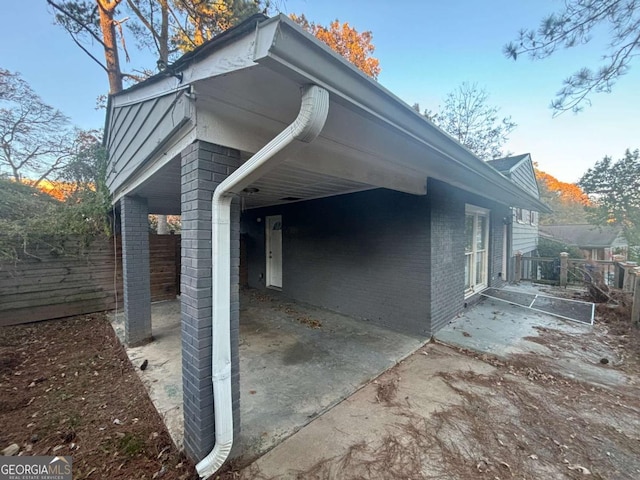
pixel 296 362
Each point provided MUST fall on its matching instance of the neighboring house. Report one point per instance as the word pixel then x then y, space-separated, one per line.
pixel 522 229
pixel 596 243
pixel 345 196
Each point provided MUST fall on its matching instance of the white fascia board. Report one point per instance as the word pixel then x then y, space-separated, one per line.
pixel 282 46
pixel 233 56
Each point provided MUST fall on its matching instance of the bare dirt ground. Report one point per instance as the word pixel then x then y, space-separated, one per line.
pixel 67 388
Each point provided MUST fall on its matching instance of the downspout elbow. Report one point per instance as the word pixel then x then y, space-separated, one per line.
pixel 314 109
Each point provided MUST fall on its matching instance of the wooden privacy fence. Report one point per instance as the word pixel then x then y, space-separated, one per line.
pixel 73 279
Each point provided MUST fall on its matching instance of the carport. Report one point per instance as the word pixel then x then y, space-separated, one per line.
pixel 296 361
pixel 264 119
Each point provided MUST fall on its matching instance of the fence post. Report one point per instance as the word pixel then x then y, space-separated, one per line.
pixel 635 311
pixel 618 274
pixel 518 268
pixel 564 264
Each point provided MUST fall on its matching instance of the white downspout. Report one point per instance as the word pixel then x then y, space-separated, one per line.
pixel 305 128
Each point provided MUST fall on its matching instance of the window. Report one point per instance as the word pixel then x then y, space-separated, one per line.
pixel 476 249
pixel 519 215
pixel 532 218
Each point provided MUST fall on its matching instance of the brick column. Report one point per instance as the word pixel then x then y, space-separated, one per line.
pixel 135 270
pixel 204 166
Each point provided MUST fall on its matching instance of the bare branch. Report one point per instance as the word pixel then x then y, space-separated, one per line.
pixel 75 40
pixel 77 21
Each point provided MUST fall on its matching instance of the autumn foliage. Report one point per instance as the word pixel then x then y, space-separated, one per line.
pixel 347 41
pixel 566 192
pixel 567 200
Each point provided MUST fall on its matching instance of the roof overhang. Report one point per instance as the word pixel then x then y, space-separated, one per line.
pixel 250 80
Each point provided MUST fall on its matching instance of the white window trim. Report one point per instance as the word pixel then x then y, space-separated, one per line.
pixel 478 211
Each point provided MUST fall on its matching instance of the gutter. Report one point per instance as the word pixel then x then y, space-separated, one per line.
pixel 305 128
pixel 283 47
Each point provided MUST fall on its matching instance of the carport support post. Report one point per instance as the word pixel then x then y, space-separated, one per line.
pixel 204 167
pixel 564 268
pixel 135 270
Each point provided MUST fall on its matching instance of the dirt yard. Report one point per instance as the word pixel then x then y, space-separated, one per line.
pixel 67 388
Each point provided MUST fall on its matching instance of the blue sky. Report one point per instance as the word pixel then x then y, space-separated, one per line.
pixel 426 49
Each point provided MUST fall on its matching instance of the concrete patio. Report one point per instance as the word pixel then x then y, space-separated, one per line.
pixel 296 362
pixel 505 330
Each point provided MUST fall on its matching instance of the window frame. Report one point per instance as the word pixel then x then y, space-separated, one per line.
pixel 472 286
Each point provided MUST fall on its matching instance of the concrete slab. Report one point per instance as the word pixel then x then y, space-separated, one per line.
pixel 296 362
pixel 506 331
pixel 362 418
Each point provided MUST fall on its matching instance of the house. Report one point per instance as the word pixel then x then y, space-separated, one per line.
pixel 596 243
pixel 521 231
pixel 345 196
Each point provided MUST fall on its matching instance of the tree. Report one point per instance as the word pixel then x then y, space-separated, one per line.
pixel 614 189
pixel 35 138
pixel 567 200
pixel 356 47
pixel 576 24
pixel 165 27
pixel 468 118
pixel 201 20
pixel 29 216
pixel 94 21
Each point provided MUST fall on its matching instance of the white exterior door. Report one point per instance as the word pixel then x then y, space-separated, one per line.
pixel 273 226
pixel 476 249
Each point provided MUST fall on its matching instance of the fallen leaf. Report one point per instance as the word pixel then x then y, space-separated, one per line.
pixel 579 468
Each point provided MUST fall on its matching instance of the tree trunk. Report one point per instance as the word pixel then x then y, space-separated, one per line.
pixel 164 31
pixel 108 28
pixel 163 227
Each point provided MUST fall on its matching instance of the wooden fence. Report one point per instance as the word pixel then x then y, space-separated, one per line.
pixel 49 282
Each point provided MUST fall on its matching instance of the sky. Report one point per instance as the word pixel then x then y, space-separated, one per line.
pixel 426 49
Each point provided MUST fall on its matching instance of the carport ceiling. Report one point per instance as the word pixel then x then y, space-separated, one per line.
pixel 244 110
pixel 285 184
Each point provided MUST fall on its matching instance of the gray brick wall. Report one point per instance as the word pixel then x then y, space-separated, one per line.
pixel 204 166
pixel 447 224
pixel 394 259
pixel 135 270
pixel 364 254
pixel 447 253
